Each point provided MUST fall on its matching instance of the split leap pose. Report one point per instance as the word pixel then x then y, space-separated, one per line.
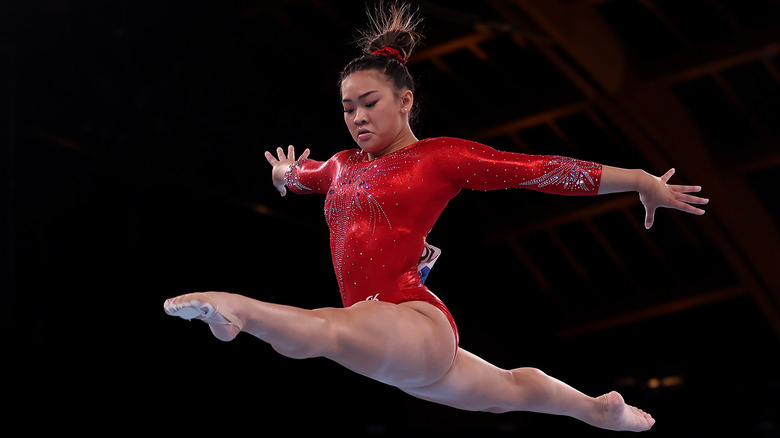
pixel 381 200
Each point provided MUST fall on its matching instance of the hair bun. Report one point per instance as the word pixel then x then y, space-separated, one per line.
pixel 393 25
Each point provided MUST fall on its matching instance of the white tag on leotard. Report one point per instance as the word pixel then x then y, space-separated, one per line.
pixel 428 258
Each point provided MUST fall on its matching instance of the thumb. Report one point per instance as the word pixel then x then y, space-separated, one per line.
pixel 281 188
pixel 649 218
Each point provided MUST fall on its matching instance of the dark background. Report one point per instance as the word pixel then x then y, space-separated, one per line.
pixel 133 171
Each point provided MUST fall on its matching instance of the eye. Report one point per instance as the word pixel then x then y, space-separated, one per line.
pixel 371 104
pixel 348 110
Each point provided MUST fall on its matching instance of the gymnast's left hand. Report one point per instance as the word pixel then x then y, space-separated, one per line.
pixel 281 163
pixel 655 192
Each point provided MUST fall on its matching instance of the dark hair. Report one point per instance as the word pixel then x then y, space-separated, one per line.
pixel 395 26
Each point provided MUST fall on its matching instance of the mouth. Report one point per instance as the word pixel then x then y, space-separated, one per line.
pixel 364 134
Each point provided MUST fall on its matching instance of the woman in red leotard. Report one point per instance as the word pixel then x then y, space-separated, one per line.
pixel 381 200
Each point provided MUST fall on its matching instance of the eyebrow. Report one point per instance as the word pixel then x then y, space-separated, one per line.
pixel 361 96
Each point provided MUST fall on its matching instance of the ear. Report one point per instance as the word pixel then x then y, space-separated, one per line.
pixel 407 100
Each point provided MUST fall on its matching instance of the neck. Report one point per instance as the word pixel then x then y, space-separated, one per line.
pixel 401 142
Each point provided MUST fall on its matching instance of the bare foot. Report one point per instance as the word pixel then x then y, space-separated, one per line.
pixel 620 416
pixel 205 306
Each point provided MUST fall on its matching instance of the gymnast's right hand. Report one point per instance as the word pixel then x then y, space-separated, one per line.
pixel 280 165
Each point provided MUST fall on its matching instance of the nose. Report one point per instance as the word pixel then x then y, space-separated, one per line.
pixel 360 117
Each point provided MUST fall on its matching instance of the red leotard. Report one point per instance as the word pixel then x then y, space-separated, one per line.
pixel 379 211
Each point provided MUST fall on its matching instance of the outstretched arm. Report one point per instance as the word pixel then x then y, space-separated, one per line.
pixel 654 192
pixel 281 163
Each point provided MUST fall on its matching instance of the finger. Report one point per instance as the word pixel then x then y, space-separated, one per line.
pixel 684 189
pixel 280 154
pixel 668 175
pixel 271 160
pixel 691 199
pixel 687 208
pixel 305 154
pixel 291 152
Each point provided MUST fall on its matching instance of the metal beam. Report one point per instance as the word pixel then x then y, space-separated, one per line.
pixel 650 312
pixel 660 125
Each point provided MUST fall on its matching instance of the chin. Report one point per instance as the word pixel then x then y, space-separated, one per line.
pixel 370 146
pixel 374 151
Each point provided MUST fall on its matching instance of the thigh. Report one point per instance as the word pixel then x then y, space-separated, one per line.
pixel 407 344
pixel 471 383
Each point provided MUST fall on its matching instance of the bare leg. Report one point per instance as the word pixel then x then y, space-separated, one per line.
pixel 408 344
pixel 474 384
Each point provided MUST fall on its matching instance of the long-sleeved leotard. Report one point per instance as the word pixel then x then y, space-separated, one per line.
pixel 379 211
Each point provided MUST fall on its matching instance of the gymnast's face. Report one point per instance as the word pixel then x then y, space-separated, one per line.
pixel 376 114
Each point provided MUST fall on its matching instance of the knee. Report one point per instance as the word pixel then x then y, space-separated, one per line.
pixel 295 351
pixel 317 339
pixel 528 375
pixel 534 387
pixel 496 410
pixel 522 391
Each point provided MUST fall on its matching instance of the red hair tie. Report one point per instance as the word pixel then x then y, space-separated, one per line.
pixel 390 53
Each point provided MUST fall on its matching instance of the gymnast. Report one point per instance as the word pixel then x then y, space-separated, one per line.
pixel 381 200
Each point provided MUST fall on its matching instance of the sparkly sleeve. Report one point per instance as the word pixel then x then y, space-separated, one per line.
pixel 476 166
pixel 310 176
